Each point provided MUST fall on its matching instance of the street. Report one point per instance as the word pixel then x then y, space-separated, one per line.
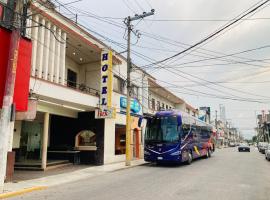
pixel 227 175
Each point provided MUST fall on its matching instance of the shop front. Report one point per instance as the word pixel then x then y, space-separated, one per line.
pixel 58 136
pixel 115 132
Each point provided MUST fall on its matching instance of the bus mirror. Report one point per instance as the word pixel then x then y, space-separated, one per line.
pixel 140 122
pixel 179 121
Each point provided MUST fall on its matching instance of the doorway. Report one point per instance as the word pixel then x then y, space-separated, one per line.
pixel 136 144
pixel 71 78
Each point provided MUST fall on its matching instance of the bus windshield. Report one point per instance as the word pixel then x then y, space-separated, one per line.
pixel 162 129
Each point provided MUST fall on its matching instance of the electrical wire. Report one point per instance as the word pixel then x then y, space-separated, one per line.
pixel 211 35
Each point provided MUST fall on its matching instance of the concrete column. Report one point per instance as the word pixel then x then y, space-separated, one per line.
pixel 29 24
pixel 63 59
pixel 34 48
pixel 40 55
pixel 45 140
pixel 57 55
pixel 10 141
pixel 46 51
pixel 52 54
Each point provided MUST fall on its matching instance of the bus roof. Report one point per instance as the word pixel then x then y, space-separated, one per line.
pixel 185 117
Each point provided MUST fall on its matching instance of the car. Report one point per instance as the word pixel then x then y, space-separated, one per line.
pixel 267 153
pixel 243 147
pixel 232 144
pixel 262 146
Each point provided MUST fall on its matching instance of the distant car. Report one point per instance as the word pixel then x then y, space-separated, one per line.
pixel 243 147
pixel 267 153
pixel 232 144
pixel 262 146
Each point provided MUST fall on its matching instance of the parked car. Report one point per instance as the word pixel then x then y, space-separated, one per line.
pixel 267 153
pixel 232 144
pixel 243 147
pixel 262 146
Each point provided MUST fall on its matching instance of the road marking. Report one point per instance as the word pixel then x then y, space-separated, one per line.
pixel 21 192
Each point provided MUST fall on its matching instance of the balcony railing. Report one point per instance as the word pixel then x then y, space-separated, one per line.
pixel 82 88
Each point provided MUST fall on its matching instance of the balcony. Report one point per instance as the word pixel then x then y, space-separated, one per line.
pixel 81 97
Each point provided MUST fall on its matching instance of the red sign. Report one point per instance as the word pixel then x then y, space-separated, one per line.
pixel 4 51
pixel 21 89
pixel 1 12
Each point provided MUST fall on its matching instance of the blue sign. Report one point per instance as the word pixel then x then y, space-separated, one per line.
pixel 134 105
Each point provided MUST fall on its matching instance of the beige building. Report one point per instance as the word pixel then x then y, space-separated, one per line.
pixel 159 98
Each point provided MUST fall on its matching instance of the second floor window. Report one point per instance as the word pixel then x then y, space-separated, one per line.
pixel 153 104
pixel 118 85
pixel 135 91
pixel 71 78
pixel 158 105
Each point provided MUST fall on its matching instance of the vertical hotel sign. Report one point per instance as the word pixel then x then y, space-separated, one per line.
pixel 105 109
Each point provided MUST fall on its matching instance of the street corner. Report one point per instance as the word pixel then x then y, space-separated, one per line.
pixel 6 195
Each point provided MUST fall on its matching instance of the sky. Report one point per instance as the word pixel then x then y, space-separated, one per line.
pixel 175 26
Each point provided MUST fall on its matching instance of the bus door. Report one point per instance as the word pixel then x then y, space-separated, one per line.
pixel 195 141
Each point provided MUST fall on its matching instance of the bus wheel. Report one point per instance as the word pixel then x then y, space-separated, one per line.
pixel 209 152
pixel 190 158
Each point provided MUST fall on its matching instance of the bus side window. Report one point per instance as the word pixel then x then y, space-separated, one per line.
pixel 185 131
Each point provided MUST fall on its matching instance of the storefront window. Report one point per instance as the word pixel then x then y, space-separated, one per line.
pixel 120 139
pixel 86 138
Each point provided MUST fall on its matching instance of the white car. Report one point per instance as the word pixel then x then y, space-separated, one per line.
pixel 262 146
pixel 267 153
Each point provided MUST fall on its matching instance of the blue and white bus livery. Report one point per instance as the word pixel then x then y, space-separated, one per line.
pixel 174 136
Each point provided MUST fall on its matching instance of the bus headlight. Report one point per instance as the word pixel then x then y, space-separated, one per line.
pixel 146 153
pixel 177 153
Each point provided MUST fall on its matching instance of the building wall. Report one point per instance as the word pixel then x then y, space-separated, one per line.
pixel 160 99
pixel 17 134
pixel 92 75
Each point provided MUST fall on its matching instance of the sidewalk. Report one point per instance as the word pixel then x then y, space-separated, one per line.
pixel 52 180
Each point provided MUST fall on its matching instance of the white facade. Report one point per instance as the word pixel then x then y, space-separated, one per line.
pixel 65 79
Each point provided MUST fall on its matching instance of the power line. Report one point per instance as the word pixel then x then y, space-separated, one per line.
pixel 110 22
pixel 205 20
pixel 211 35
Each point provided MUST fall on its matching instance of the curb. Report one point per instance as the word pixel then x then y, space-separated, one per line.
pixel 129 167
pixel 21 192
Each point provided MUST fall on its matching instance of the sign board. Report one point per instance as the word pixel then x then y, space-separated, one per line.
pixel 105 113
pixel 106 88
pixel 135 106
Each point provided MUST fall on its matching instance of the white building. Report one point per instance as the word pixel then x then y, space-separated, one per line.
pixel 65 84
pixel 159 98
pixel 65 92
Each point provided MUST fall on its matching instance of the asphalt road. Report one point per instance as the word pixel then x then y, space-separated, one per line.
pixel 227 175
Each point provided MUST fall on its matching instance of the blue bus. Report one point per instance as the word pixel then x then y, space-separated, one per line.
pixel 175 137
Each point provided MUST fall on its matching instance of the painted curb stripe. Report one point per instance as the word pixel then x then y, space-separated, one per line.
pixel 21 192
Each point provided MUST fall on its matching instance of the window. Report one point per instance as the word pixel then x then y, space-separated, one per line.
pixel 118 85
pixel 158 105
pixel 71 78
pixel 167 107
pixel 135 91
pixel 120 139
pixel 86 138
pixel 163 106
pixel 153 104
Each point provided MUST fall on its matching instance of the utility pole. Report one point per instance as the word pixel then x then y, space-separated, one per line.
pixel 128 21
pixel 5 116
pixel 216 119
